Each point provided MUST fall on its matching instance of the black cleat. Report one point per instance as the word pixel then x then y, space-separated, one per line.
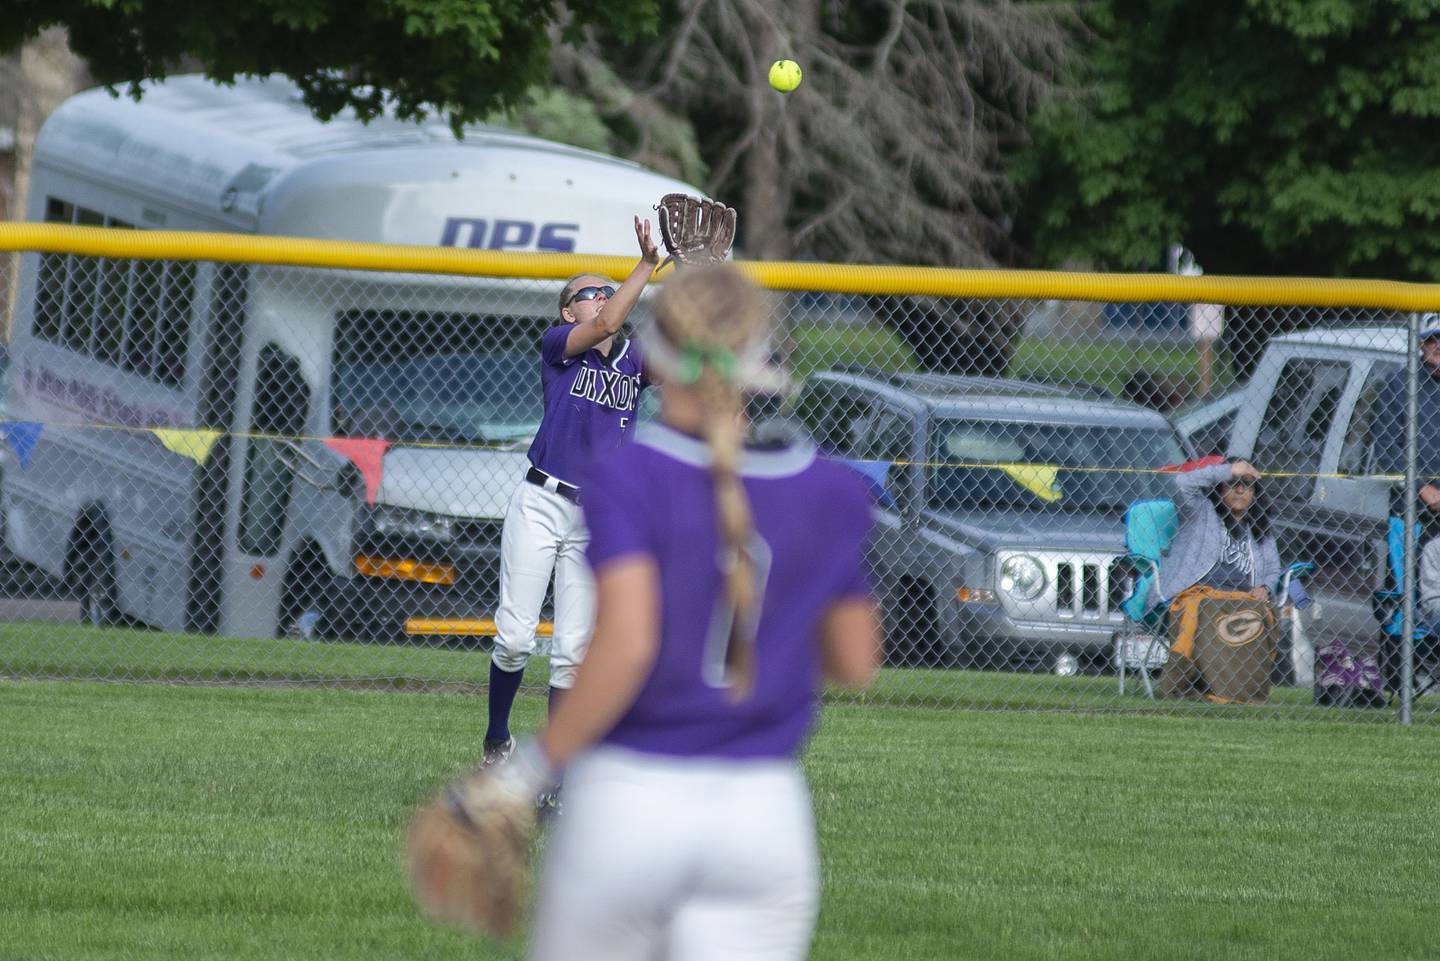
pixel 497 751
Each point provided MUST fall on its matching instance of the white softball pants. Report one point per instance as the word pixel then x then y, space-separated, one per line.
pixel 688 859
pixel 544 536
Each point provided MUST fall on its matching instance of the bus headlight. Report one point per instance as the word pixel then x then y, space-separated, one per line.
pixel 1022 577
pixel 411 523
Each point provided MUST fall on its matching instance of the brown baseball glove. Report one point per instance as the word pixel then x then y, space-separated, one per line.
pixel 695 230
pixel 467 848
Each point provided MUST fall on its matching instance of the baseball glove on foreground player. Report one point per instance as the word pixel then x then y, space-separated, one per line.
pixel 467 847
pixel 694 230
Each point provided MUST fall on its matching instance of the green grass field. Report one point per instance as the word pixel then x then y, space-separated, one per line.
pixel 1109 364
pixel 155 821
pixel 80 651
pixel 823 346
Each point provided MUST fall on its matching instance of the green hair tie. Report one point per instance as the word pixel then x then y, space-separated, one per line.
pixel 694 357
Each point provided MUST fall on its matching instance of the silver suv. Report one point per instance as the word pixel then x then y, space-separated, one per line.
pixel 1002 507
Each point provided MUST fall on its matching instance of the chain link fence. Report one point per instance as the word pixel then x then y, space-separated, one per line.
pixel 260 473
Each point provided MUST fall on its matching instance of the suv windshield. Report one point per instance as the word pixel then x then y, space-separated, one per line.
pixel 1045 467
pixel 413 376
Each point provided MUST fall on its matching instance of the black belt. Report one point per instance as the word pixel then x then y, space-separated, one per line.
pixel 555 485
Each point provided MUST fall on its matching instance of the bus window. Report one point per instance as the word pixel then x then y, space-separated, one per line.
pixel 50 296
pixel 138 354
pixel 58 211
pixel 80 294
pixel 50 284
pixel 116 277
pixel 175 323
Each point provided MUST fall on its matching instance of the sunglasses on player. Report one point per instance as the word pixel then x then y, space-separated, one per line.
pixel 1241 483
pixel 590 293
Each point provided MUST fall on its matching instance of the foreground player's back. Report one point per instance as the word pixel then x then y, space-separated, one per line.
pixel 811 521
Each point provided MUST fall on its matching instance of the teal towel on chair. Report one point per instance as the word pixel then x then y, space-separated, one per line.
pixel 1149 528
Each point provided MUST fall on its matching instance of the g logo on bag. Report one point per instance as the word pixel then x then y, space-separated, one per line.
pixel 1239 628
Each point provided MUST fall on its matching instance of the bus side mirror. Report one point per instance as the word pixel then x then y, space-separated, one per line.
pixel 305 466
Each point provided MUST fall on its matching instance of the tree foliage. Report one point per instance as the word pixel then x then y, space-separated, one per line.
pixel 1269 136
pixel 462 59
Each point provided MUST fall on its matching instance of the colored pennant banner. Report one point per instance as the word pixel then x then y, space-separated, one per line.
pixel 22 435
pixel 367 455
pixel 1038 479
pixel 194 444
pixel 876 472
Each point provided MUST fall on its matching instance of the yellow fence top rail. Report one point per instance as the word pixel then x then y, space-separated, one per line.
pixel 831 278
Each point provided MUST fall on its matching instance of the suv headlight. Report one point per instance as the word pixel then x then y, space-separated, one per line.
pixel 412 523
pixel 1022 577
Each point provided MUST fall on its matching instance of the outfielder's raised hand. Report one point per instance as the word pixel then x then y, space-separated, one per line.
pixel 649 253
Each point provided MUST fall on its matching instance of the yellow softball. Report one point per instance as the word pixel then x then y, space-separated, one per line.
pixel 784 75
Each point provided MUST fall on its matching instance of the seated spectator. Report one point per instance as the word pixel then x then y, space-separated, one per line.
pixel 1224 539
pixel 1217 578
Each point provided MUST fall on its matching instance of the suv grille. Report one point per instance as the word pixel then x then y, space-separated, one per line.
pixel 1090 589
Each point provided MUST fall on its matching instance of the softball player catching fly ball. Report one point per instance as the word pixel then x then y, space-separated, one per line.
pixel 591 377
pixel 731 582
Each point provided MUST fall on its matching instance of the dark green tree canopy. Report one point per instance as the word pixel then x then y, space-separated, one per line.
pixel 461 59
pixel 1268 136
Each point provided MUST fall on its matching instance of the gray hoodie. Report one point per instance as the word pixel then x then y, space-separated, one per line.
pixel 1196 547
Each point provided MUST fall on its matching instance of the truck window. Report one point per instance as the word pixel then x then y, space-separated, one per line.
pixel 811 407
pixel 977 465
pixel 1356 454
pixel 835 416
pixel 1214 438
pixel 1297 419
pixel 889 437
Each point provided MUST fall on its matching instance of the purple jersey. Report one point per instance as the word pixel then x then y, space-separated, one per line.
pixel 812 521
pixel 590 403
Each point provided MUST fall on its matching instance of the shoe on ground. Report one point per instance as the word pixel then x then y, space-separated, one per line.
pixel 497 751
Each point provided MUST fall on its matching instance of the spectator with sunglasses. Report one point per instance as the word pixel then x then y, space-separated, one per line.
pixel 591 377
pixel 1224 540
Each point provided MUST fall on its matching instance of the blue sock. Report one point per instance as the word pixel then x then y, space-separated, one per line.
pixel 557 694
pixel 504 685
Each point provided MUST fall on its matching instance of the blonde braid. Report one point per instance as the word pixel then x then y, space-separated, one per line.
pixel 711 314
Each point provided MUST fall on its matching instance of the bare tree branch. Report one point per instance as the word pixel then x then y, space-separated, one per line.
pixel 891 148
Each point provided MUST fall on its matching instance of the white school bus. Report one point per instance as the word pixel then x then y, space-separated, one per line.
pixel 255 535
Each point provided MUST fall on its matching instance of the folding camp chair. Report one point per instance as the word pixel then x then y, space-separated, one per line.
pixel 1143 644
pixel 1389 612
